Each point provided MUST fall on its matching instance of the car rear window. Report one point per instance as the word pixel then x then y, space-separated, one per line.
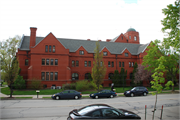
pixel 85 110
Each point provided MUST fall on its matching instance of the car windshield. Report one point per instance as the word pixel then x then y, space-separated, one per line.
pixel 85 110
pixel 133 88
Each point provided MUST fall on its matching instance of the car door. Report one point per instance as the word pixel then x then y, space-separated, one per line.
pixel 108 93
pixel 96 114
pixel 71 94
pixel 138 91
pixel 64 94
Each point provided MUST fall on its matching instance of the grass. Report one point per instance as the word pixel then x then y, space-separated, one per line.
pixel 52 91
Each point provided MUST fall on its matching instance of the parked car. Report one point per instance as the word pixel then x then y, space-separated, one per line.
pixel 136 91
pixel 103 93
pixel 67 94
pixel 101 111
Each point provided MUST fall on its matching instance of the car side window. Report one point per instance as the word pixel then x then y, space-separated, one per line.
pixel 110 113
pixel 72 91
pixel 107 91
pixel 96 113
pixel 65 91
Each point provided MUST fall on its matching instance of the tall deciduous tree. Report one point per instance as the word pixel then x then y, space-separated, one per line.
pixel 99 69
pixel 143 75
pixel 134 72
pixel 159 78
pixel 123 75
pixel 116 78
pixel 170 26
pixel 9 64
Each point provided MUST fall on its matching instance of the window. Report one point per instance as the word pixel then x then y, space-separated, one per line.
pixel 56 61
pixel 110 113
pixel 46 48
pixel 88 76
pixel 96 113
pixel 129 64
pixel 50 48
pixel 101 63
pixel 105 53
pixel 52 61
pixel 77 63
pixel 53 48
pixel 131 75
pixel 42 75
pixel 56 75
pixel 73 63
pixel 110 76
pixel 75 76
pixel 122 37
pixel 109 64
pixel 43 61
pixel 126 54
pixel 85 63
pixel 129 37
pixel 112 64
pixel 47 61
pixel 135 38
pixel 89 63
pixel 119 64
pixel 81 52
pixel 51 76
pixel 132 64
pixel 122 64
pixel 26 62
pixel 47 75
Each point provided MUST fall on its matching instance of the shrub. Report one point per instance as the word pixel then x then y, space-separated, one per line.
pixel 19 83
pixel 35 84
pixel 85 85
pixel 66 86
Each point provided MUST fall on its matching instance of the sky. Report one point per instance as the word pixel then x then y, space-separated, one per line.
pixel 83 19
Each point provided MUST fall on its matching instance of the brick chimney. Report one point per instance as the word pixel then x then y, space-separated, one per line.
pixel 108 40
pixel 88 39
pixel 32 37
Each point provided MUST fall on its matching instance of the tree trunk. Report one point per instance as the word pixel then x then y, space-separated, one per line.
pixel 173 85
pixel 11 91
pixel 154 107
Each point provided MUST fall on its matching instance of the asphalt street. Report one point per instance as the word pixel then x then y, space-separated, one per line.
pixel 40 109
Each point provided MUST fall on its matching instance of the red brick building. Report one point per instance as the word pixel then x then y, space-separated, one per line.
pixel 57 61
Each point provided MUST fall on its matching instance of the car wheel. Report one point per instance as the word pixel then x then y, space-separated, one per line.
pixel 57 97
pixel 144 93
pixel 111 96
pixel 76 97
pixel 96 97
pixel 132 94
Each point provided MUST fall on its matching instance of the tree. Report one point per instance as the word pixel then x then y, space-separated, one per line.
pixel 99 69
pixel 151 60
pixel 9 63
pixel 116 78
pixel 170 26
pixel 158 79
pixel 134 72
pixel 19 83
pixel 11 73
pixel 142 74
pixel 123 75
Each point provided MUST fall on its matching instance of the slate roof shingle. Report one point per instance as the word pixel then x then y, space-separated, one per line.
pixel 74 44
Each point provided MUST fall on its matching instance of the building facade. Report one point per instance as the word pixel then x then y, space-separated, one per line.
pixel 57 61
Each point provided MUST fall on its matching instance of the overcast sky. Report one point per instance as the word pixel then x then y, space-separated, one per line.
pixel 83 19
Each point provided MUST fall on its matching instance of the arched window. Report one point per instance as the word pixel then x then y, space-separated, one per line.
pixel 131 75
pixel 88 76
pixel 110 76
pixel 75 76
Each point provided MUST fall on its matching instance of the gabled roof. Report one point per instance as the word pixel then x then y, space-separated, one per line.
pixel 74 44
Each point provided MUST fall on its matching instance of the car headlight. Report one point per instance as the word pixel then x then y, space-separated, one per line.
pixel 54 95
pixel 92 94
pixel 128 91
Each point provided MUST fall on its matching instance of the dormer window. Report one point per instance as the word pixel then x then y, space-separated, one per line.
pixel 129 37
pixel 105 53
pixel 81 52
pixel 126 54
pixel 135 38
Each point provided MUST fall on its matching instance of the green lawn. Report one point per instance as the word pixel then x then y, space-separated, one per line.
pixel 52 91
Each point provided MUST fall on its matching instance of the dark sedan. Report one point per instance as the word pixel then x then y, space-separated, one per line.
pixel 103 93
pixel 136 91
pixel 101 111
pixel 67 94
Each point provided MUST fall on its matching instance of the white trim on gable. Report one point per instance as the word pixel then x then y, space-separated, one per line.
pixel 145 47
